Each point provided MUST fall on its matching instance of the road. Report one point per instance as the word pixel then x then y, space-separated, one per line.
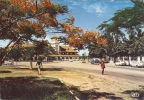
pixel 134 75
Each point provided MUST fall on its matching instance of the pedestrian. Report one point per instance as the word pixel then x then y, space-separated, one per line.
pixel 39 63
pixel 102 66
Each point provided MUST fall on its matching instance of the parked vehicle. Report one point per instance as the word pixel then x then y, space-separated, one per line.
pixel 137 64
pixel 95 61
pixel 120 63
pixel 127 62
pixel 9 62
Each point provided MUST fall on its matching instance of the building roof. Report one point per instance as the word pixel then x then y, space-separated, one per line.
pixel 53 55
pixel 68 49
pixel 23 45
pixel 55 37
pixel 27 45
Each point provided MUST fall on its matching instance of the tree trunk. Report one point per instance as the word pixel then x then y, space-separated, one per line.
pixel 114 58
pixel 31 65
pixel 1 62
pixel 7 53
pixel 1 59
pixel 129 59
pixel 39 71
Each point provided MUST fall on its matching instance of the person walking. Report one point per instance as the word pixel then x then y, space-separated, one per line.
pixel 102 66
pixel 39 63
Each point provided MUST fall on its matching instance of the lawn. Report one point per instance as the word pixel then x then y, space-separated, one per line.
pixel 17 84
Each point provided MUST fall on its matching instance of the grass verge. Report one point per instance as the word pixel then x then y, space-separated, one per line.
pixel 14 87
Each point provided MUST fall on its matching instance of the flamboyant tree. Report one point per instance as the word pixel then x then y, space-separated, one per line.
pixel 26 20
pixel 77 38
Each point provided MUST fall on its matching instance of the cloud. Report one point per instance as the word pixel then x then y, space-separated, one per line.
pixel 112 0
pixel 98 8
pixel 95 8
pixel 77 3
pixel 103 8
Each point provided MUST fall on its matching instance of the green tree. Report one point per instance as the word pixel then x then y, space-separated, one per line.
pixel 40 47
pixel 29 54
pixel 16 53
pixel 124 31
pixel 99 52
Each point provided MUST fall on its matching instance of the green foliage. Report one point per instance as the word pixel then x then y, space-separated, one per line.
pixel 49 50
pixel 16 53
pixel 97 51
pixel 51 58
pixel 41 57
pixel 29 52
pixel 41 49
pixel 124 31
pixel 40 46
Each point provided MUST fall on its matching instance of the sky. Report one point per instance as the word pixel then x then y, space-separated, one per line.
pixel 89 13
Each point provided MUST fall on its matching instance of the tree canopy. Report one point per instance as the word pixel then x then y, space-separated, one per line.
pixel 26 20
pixel 124 31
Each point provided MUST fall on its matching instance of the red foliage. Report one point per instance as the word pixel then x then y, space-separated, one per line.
pixel 77 37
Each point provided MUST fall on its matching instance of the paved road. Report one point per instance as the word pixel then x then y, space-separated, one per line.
pixel 125 72
pixel 136 75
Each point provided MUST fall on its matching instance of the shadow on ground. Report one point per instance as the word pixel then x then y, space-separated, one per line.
pixel 139 94
pixel 50 69
pixel 92 94
pixel 51 62
pixel 33 88
pixel 42 69
pixel 5 71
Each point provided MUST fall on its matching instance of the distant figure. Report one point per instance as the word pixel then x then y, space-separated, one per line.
pixel 102 66
pixel 39 63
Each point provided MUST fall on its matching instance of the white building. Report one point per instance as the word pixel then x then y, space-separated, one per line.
pixel 64 52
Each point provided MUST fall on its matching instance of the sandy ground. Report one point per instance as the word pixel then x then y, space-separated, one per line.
pixel 99 83
pixel 86 81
